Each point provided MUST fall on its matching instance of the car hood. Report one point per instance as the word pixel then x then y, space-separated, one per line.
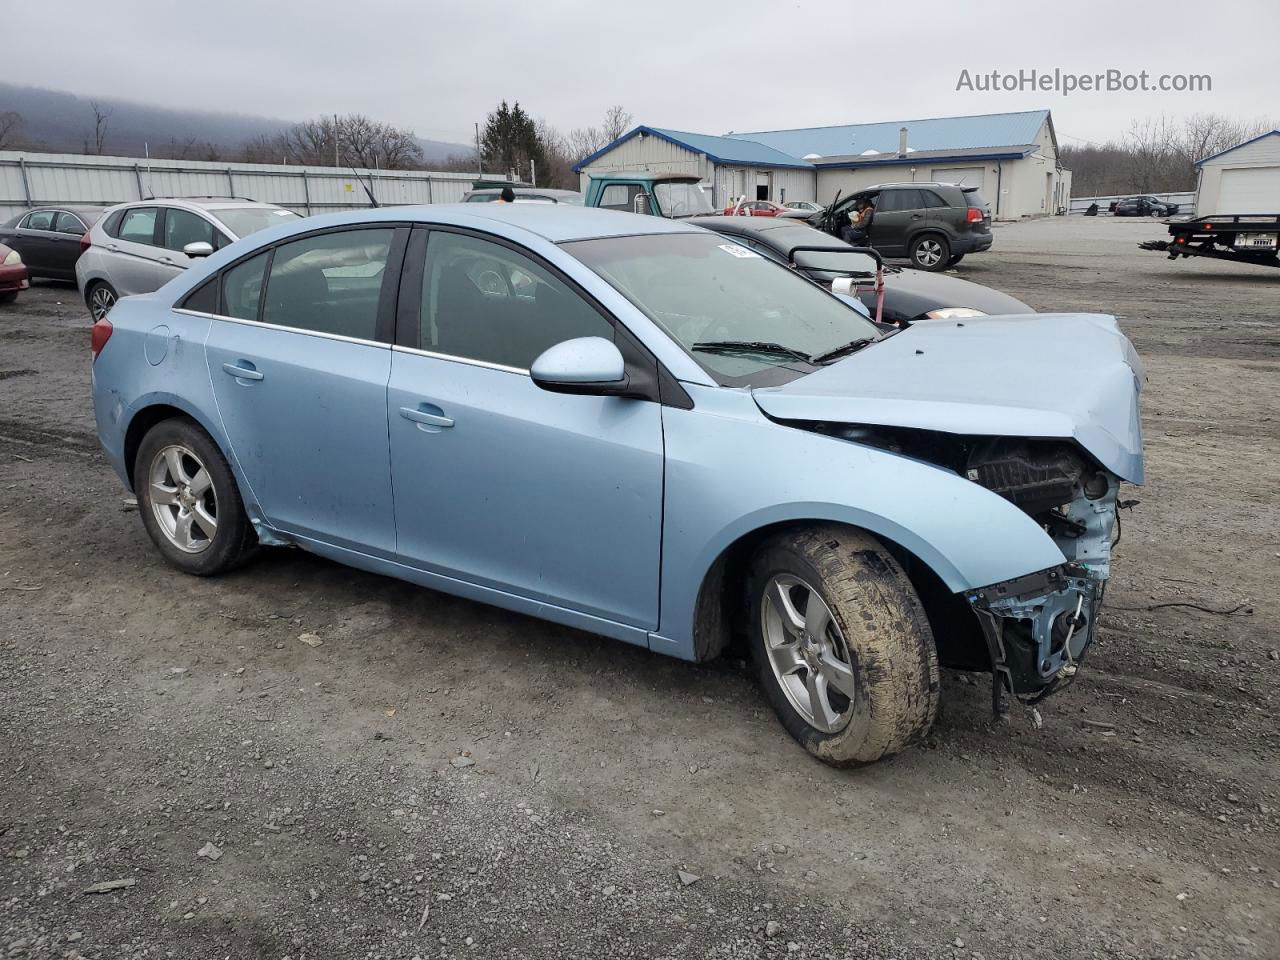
pixel 1046 375
pixel 927 291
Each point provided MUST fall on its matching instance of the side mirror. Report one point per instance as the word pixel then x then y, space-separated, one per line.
pixel 585 365
pixel 198 249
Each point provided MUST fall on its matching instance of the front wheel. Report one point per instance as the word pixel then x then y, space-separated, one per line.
pixel 101 297
pixel 841 645
pixel 189 501
pixel 930 252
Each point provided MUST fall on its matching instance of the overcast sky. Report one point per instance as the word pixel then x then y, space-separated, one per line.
pixel 437 67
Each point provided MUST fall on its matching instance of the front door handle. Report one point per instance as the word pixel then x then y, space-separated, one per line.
pixel 242 372
pixel 425 418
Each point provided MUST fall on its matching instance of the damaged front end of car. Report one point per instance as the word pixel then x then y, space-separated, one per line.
pixel 1038 627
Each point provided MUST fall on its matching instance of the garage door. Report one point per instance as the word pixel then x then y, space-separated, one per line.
pixel 1249 190
pixel 964 176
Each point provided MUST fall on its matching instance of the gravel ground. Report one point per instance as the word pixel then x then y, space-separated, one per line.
pixel 443 779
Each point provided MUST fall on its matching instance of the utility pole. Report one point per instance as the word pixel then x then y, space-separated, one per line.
pixel 335 139
pixel 479 155
pixel 533 171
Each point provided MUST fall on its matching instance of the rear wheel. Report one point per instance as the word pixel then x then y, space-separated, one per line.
pixel 100 297
pixel 189 501
pixel 841 644
pixel 930 252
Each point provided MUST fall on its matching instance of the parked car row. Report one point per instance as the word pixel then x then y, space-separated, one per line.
pixel 641 428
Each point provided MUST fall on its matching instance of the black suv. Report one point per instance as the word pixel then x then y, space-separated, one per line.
pixel 935 224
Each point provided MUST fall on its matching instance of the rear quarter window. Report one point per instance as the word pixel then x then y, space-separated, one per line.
pixel 974 201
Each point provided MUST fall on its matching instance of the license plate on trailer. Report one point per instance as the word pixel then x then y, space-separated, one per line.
pixel 1257 241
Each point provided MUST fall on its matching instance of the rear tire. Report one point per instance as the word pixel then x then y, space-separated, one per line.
pixel 100 297
pixel 189 501
pixel 841 644
pixel 931 251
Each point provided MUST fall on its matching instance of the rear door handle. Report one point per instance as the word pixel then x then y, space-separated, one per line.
pixel 425 418
pixel 242 370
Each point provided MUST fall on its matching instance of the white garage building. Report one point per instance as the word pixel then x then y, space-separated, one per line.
pixel 1011 157
pixel 1243 179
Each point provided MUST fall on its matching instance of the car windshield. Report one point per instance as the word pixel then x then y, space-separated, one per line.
pixel 243 221
pixel 746 319
pixel 682 200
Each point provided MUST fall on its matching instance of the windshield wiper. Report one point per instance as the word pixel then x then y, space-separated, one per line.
pixel 843 350
pixel 750 346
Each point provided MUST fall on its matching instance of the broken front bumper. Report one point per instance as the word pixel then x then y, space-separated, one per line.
pixel 1038 627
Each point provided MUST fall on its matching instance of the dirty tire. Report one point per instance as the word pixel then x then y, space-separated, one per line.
pixel 892 658
pixel 234 540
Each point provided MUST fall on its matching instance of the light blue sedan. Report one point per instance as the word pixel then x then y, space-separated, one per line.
pixel 638 428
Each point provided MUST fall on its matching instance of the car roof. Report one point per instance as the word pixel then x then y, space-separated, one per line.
pixel 199 203
pixel 527 191
pixel 555 222
pixel 760 228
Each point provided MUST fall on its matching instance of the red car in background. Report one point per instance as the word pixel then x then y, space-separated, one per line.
pixel 754 208
pixel 13 274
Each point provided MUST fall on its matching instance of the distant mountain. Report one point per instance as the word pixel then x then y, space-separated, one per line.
pixel 57 122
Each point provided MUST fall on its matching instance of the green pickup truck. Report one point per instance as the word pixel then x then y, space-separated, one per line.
pixel 657 194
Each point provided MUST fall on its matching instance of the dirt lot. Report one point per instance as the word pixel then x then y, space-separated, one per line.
pixel 145 714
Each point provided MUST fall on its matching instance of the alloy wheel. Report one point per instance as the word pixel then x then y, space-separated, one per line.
pixel 182 498
pixel 101 301
pixel 808 653
pixel 928 252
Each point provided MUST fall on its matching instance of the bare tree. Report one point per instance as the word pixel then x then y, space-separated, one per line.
pixel 10 127
pixel 617 121
pixel 101 115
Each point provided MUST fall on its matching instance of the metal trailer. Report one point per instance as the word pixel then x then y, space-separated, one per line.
pixel 1244 238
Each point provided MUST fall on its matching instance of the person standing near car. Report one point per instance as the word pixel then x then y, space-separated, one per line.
pixel 507 196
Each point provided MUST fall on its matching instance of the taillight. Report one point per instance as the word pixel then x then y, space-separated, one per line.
pixel 974 215
pixel 85 242
pixel 99 337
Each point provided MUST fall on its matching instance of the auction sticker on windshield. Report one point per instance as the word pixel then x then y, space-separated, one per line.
pixel 737 251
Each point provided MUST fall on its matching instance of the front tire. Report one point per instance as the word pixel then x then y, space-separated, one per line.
pixel 841 645
pixel 930 252
pixel 189 501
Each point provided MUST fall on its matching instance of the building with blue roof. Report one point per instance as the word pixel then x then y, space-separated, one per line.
pixel 1012 158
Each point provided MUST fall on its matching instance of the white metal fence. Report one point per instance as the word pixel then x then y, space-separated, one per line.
pixel 1186 201
pixel 34 179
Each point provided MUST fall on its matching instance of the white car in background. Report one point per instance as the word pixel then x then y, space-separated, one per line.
pixel 140 246
pixel 805 206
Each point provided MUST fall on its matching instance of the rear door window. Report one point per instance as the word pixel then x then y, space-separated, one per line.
pixel 139 225
pixel 329 283
pixel 69 223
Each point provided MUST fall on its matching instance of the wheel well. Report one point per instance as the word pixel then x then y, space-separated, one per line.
pixel 927 232
pixel 139 426
pixel 721 610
